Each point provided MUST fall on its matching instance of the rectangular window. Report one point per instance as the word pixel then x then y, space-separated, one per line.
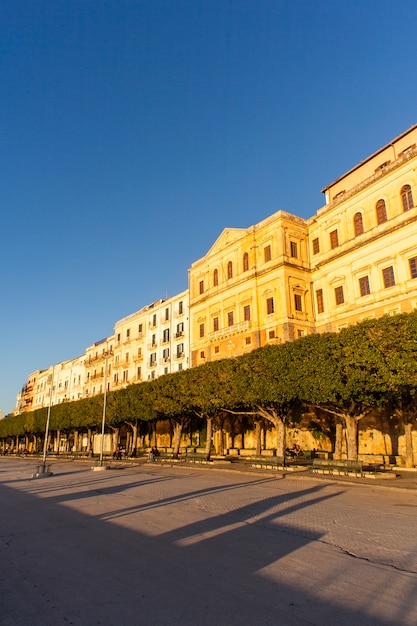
pixel 140 330
pixel 152 359
pixel 201 286
pixel 364 286
pixel 294 250
pixel 269 306
pixel 128 333
pixel 166 314
pixel 180 330
pixel 215 324
pixel 246 313
pixel 316 246
pixel 139 373
pixel 180 350
pixel 201 330
pixel 165 354
pixel 413 267
pixel 388 276
pixel 248 341
pixel 125 376
pixel 165 335
pixel 334 239
pixel 216 349
pixel 267 253
pixel 298 302
pixel 154 319
pixel 339 295
pixel 230 317
pixel 320 301
pixel 180 308
pixel 153 341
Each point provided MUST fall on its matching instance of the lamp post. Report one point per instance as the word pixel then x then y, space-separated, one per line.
pixel 42 470
pixel 103 420
pixel 101 465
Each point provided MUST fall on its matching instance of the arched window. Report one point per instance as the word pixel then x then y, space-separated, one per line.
pixel 358 224
pixel 407 197
pixel 381 212
pixel 230 270
pixel 215 278
pixel 245 262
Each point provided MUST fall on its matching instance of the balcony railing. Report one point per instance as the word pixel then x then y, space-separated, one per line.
pixel 137 358
pixel 235 329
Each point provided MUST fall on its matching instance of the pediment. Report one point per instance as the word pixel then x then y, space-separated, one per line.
pixel 227 237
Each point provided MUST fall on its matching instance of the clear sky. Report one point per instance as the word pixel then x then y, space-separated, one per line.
pixel 134 131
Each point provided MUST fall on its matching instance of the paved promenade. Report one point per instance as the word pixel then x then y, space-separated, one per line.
pixel 152 545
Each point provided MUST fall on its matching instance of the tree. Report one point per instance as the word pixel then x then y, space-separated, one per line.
pixel 342 373
pixel 267 386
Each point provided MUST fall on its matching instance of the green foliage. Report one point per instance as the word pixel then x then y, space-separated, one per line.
pixel 365 366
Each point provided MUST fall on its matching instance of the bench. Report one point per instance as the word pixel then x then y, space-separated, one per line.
pixel 340 467
pixel 266 462
pixel 197 457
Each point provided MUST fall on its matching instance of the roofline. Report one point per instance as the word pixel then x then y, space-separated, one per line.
pixel 390 143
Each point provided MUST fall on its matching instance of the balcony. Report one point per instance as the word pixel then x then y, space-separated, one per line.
pixel 152 346
pixel 99 357
pixel 138 358
pixel 152 364
pixel 96 377
pixel 179 334
pixel 236 329
pixel 179 355
pixel 165 360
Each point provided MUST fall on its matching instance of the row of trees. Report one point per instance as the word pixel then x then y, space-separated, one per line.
pixel 339 377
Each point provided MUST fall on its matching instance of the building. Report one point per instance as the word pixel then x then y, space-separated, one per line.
pixel 250 289
pixel 363 242
pixel 273 282
pixel 152 342
pixel 286 276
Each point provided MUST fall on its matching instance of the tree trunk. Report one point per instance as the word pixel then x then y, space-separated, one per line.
pixel 134 428
pixel 280 428
pixel 116 433
pixel 258 441
pixel 209 436
pixel 351 437
pixel 88 440
pixel 337 454
pixel 409 452
pixel 177 427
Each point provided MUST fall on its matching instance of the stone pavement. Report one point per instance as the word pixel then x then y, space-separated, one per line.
pixel 152 544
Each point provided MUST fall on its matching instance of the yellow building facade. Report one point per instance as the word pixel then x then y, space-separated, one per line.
pixel 250 289
pixel 285 276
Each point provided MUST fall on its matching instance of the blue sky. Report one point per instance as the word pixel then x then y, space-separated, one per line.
pixel 134 132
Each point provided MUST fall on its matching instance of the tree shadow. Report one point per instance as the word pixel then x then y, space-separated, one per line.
pixel 243 566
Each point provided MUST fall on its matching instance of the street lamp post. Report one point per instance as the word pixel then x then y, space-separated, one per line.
pixel 101 464
pixel 42 470
pixel 103 420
